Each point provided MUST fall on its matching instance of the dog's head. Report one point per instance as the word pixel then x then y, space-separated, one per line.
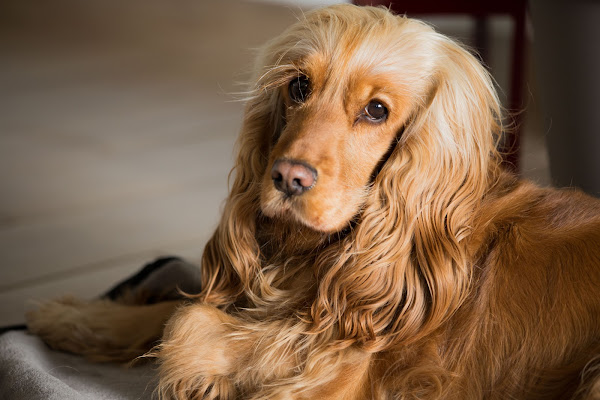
pixel 366 120
pixel 346 91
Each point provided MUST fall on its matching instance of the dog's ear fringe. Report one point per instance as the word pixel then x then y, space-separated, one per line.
pixel 232 256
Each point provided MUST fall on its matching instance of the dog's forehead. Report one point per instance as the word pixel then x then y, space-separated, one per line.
pixel 354 51
pixel 339 52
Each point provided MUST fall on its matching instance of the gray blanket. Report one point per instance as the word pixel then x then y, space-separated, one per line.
pixel 29 370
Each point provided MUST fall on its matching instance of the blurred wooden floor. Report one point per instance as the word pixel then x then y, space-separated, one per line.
pixel 117 126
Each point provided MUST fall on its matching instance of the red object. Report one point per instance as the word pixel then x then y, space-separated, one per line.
pixel 481 10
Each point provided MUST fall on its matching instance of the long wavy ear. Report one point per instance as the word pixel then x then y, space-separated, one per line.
pixel 231 260
pixel 445 164
pixel 232 256
pixel 407 267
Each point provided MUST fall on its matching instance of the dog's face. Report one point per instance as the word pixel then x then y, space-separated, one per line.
pixel 344 103
pixel 339 125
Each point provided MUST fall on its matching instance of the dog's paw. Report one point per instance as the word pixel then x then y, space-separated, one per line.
pixel 61 324
pixel 197 357
pixel 101 330
pixel 189 387
pixel 189 371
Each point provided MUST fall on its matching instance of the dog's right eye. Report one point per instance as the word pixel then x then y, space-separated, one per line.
pixel 299 89
pixel 375 111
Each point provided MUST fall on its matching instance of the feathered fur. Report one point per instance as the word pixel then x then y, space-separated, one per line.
pixel 414 269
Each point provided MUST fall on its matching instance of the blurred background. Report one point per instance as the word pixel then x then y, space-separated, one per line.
pixel 117 125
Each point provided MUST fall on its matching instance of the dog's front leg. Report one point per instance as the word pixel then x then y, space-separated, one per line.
pixel 198 356
pixel 208 354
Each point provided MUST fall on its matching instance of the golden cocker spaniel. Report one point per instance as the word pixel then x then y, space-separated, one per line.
pixel 371 246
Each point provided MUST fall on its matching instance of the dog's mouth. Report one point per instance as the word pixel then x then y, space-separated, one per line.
pixel 281 206
pixel 315 210
pixel 284 207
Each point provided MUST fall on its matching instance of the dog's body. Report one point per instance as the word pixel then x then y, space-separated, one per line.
pixel 371 246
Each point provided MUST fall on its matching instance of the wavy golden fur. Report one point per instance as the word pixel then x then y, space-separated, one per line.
pixel 414 267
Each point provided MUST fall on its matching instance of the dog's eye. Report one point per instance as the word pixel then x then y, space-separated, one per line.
pixel 375 111
pixel 299 89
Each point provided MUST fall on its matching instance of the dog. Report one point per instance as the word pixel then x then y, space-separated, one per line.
pixel 372 246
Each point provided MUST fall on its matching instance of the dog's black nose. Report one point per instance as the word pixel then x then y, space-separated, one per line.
pixel 293 177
